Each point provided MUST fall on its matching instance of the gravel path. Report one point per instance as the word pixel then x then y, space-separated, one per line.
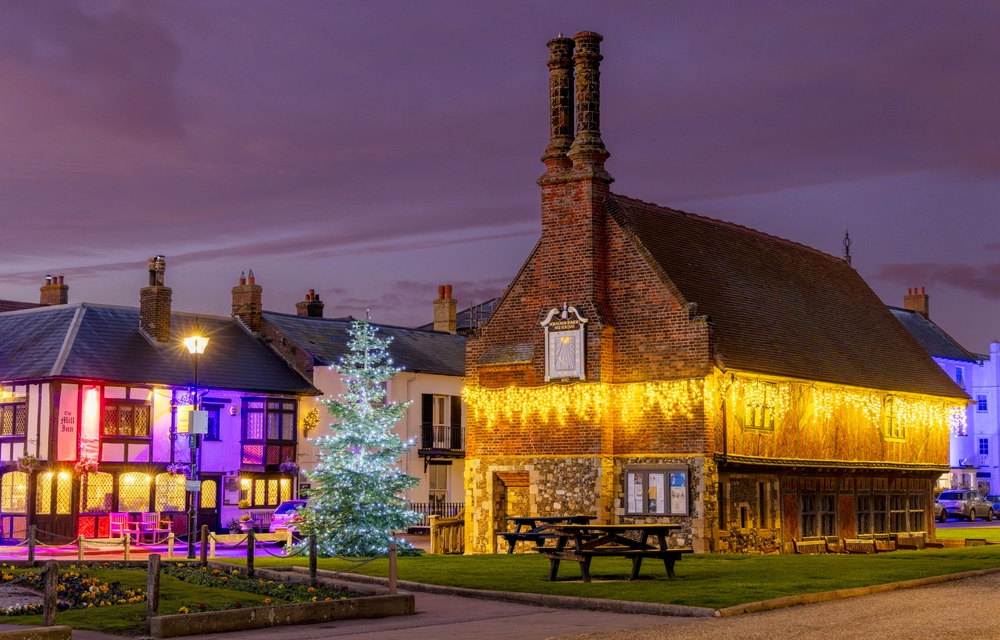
pixel 956 609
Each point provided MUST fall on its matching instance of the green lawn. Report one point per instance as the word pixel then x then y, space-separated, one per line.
pixel 702 580
pixel 990 533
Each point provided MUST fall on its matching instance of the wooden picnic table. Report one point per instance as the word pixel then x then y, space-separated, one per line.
pixel 532 528
pixel 609 540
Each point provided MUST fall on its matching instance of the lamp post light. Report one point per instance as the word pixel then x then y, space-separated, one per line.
pixel 195 344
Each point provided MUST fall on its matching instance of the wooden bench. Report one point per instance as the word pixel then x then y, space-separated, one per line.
pixel 859 545
pixel 536 535
pixel 669 557
pixel 811 545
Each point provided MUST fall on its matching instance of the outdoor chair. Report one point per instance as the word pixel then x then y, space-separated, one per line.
pixel 151 525
pixel 119 525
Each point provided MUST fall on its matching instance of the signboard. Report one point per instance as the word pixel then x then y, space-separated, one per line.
pixel 656 491
pixel 564 342
pixel 67 422
pixel 194 485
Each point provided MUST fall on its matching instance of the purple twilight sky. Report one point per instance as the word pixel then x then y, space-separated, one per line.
pixel 373 150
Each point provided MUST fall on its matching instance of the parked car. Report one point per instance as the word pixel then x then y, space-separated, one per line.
pixel 962 504
pixel 283 517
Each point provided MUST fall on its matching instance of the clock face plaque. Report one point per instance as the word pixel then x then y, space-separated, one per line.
pixel 564 342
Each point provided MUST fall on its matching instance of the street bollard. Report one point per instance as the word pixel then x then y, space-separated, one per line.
pixel 204 545
pixel 392 568
pixel 250 550
pixel 312 560
pixel 49 602
pixel 152 590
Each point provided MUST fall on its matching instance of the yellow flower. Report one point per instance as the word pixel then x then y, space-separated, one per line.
pixel 182 610
pixel 311 590
pixel 267 601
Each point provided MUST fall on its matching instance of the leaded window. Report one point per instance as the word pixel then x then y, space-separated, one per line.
pixel 133 492
pixel 98 493
pixel 125 420
pixel 170 491
pixel 13 418
pixel 209 494
pixel 13 492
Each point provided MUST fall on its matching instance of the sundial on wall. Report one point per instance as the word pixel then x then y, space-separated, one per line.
pixel 564 344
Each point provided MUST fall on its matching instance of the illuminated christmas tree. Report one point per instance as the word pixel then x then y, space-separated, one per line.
pixel 356 499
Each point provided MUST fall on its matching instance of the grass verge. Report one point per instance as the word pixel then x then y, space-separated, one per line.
pixel 990 533
pixel 713 581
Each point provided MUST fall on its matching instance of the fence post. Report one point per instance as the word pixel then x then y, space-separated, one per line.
pixel 312 560
pixel 392 568
pixel 125 540
pixel 31 544
pixel 152 590
pixel 51 585
pixel 250 550
pixel 435 533
pixel 211 546
pixel 79 548
pixel 204 545
pixel 170 544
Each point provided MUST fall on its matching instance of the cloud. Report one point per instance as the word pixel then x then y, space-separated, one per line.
pixel 983 280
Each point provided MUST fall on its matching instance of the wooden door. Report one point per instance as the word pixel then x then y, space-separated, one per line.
pixel 54 507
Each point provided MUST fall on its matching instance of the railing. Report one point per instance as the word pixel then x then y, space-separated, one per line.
pixel 441 437
pixel 448 534
pixel 427 509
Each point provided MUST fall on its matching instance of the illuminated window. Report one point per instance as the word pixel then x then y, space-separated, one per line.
pixel 891 425
pixel 171 491
pixel 43 494
pixel 209 494
pixel 760 410
pixel 984 446
pixel 268 431
pixel 133 492
pixel 656 491
pixel 265 492
pixel 13 492
pixel 97 498
pixel 125 419
pixel 13 418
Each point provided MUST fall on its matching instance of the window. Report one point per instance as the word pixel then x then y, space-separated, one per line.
pixel 892 428
pixel 13 418
pixel 656 491
pixel 981 405
pixel 13 492
pixel 760 410
pixel 437 483
pixel 441 422
pixel 265 491
pixel 133 492
pixel 763 506
pixel 960 377
pixel 171 491
pixel 98 494
pixel 125 419
pixel 818 514
pixel 268 430
pixel 213 411
pixel 984 446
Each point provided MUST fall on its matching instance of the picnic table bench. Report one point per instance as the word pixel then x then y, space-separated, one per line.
pixel 611 540
pixel 532 529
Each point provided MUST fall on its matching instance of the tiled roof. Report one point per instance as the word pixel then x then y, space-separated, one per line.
pixel 781 308
pixel 14 305
pixel 931 337
pixel 325 339
pixel 103 342
pixel 518 352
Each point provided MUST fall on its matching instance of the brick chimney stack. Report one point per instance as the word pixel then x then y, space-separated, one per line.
pixel 311 307
pixel 154 303
pixel 247 307
pixel 54 291
pixel 587 152
pixel 444 310
pixel 560 105
pixel 919 302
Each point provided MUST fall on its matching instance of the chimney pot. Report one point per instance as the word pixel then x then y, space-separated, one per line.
pixel 311 307
pixel 447 291
pixel 917 302
pixel 441 292
pixel 250 278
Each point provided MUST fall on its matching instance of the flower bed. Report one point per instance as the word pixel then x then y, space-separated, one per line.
pixel 276 592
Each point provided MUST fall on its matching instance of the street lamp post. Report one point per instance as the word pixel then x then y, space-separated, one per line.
pixel 195 344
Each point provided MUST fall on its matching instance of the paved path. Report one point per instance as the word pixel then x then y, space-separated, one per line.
pixel 957 609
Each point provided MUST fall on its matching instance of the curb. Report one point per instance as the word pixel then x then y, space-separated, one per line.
pixel 651 608
pixel 839 594
pixel 537 599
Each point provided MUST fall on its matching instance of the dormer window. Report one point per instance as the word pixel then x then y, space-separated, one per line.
pixel 892 428
pixel 759 411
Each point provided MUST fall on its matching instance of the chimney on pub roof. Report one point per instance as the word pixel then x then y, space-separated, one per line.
pixel 247 307
pixel 311 307
pixel 444 310
pixel 54 291
pixel 917 301
pixel 154 303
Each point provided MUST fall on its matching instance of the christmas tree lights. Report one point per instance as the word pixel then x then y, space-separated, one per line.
pixel 357 506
